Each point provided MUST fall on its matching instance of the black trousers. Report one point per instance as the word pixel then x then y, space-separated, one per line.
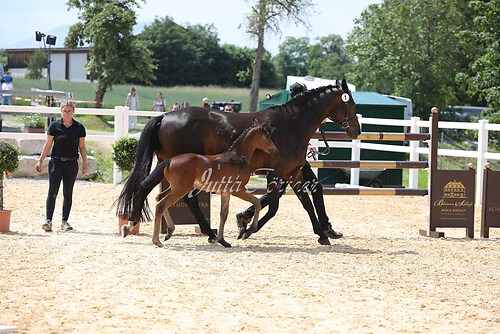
pixel 65 171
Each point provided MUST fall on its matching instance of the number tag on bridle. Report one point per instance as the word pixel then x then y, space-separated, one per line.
pixel 345 97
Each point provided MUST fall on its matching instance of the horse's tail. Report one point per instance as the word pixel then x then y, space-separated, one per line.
pixel 155 177
pixel 133 197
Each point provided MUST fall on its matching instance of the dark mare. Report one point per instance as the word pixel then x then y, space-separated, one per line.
pixel 227 173
pixel 202 131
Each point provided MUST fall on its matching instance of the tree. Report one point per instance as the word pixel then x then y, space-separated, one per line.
pixel 116 54
pixel 329 58
pixel 411 48
pixel 484 35
pixel 266 16
pixel 35 65
pixel 293 57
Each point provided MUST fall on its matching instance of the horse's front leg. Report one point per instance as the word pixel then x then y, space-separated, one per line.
pixel 319 203
pixel 224 210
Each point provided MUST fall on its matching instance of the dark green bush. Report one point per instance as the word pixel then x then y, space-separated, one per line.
pixel 124 151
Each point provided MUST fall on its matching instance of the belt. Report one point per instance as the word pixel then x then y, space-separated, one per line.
pixel 65 158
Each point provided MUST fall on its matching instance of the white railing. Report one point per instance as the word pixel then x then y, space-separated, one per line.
pixel 416 125
pixel 120 115
pixel 414 149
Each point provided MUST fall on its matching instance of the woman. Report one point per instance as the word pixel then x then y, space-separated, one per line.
pixel 159 104
pixel 132 102
pixel 66 137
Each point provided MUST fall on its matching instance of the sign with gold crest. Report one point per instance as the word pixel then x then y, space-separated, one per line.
pixel 452 200
pixel 490 211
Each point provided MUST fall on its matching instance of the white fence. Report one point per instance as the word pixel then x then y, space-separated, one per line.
pixel 120 115
pixel 482 154
pixel 416 125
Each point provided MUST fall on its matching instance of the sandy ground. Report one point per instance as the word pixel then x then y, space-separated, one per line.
pixel 382 277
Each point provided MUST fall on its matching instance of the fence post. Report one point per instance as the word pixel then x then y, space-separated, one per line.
pixel 356 155
pixel 482 148
pixel 414 156
pixel 121 130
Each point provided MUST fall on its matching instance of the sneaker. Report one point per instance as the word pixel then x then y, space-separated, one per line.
pixel 47 226
pixel 65 226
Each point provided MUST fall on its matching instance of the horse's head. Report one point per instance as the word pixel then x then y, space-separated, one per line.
pixel 344 111
pixel 261 138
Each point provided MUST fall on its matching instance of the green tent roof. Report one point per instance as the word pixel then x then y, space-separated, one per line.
pixel 373 98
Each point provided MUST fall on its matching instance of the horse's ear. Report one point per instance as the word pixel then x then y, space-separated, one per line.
pixel 255 121
pixel 345 88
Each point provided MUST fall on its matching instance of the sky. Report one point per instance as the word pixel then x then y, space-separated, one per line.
pixel 21 18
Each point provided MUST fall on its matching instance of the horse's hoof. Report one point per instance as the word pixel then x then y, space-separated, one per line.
pixel 324 241
pixel 212 240
pixel 167 236
pixel 158 243
pixel 333 234
pixel 125 230
pixel 242 220
pixel 224 243
pixel 242 232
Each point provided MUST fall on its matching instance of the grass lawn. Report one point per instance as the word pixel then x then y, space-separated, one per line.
pixel 193 95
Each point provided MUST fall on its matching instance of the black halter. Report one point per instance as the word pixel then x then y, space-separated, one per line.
pixel 346 96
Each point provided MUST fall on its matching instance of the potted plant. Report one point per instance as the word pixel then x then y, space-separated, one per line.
pixel 33 123
pixel 9 162
pixel 124 151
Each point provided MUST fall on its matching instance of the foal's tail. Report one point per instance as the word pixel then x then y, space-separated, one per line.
pixel 133 197
pixel 156 176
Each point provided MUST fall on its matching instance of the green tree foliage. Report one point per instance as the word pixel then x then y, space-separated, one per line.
pixel 192 56
pixel 484 77
pixel 484 35
pixel 267 16
pixel 117 55
pixel 412 48
pixel 329 58
pixel 35 65
pixel 293 57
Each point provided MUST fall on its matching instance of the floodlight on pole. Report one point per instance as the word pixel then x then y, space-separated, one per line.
pixel 50 40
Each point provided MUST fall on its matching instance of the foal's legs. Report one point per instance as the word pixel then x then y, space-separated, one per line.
pixel 224 210
pixel 161 209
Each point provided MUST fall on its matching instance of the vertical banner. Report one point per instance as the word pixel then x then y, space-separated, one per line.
pixel 452 201
pixel 490 210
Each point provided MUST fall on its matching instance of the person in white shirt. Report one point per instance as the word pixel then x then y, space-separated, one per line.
pixel 132 103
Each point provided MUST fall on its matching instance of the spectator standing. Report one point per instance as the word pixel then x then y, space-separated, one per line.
pixel 66 138
pixel 176 106
pixel 159 104
pixel 206 102
pixel 7 85
pixel 132 102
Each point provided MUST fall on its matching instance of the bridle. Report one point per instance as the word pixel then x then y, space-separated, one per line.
pixel 346 96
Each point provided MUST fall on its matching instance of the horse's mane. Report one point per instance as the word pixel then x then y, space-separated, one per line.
pixel 311 96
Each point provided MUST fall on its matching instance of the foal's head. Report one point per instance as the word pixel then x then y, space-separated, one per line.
pixel 259 137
